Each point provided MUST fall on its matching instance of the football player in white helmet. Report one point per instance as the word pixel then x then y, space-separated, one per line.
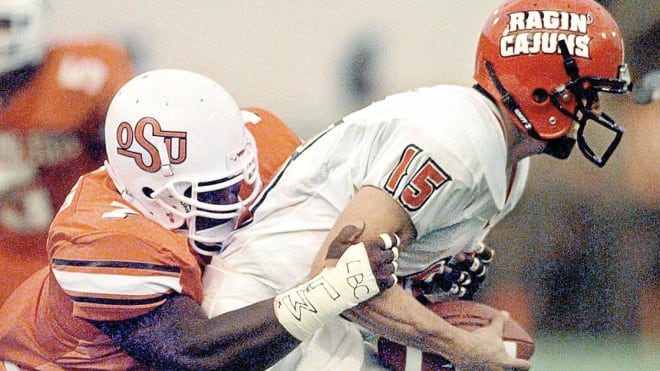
pixel 177 178
pixel 123 288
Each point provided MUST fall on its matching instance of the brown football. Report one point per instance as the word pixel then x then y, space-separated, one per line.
pixel 468 315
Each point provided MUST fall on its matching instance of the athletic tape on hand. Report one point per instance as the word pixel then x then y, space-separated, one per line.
pixel 389 244
pixel 388 240
pixel 305 308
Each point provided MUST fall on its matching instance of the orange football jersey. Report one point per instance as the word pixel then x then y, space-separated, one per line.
pixel 275 142
pixel 106 264
pixel 49 136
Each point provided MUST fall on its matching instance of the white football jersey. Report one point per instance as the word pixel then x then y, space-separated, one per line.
pixel 440 152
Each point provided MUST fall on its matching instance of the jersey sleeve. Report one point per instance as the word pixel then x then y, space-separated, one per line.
pixel 117 277
pixel 421 174
pixel 275 140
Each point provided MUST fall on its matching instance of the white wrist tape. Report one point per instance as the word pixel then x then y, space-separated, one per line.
pixel 306 308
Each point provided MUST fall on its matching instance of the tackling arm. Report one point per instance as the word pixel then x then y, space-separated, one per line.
pixel 178 334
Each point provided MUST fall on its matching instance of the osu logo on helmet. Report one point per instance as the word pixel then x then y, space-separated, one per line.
pixel 127 136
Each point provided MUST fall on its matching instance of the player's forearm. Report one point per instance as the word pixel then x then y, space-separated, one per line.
pixel 180 336
pixel 397 316
pixel 249 338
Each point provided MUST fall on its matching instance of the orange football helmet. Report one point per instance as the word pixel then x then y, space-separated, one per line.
pixel 546 61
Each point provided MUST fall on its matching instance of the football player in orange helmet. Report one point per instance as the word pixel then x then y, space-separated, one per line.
pixel 546 62
pixel 123 286
pixel 439 166
pixel 53 99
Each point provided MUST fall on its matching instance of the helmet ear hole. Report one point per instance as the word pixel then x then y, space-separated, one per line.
pixel 540 96
pixel 147 191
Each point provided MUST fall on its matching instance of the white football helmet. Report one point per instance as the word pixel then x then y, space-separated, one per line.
pixel 23 25
pixel 178 151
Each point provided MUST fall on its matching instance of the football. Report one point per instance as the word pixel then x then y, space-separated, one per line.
pixel 468 315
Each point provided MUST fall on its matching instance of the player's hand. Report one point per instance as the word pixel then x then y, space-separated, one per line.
pixel 383 253
pixel 460 277
pixel 485 349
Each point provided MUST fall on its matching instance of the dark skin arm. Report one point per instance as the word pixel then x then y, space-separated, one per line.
pixel 179 335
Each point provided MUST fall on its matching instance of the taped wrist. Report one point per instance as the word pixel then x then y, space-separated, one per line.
pixel 305 308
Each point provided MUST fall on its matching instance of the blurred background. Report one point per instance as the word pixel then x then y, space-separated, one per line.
pixel 577 262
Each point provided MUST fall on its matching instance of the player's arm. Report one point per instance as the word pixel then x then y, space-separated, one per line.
pixel 178 335
pixel 398 316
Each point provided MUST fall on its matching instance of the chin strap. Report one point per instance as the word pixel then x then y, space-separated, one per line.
pixel 509 102
pixel 559 148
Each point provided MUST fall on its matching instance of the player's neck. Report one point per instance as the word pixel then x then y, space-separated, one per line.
pixel 519 144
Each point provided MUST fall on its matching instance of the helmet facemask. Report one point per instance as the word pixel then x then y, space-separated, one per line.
pixel 210 210
pixel 585 89
pixel 210 226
